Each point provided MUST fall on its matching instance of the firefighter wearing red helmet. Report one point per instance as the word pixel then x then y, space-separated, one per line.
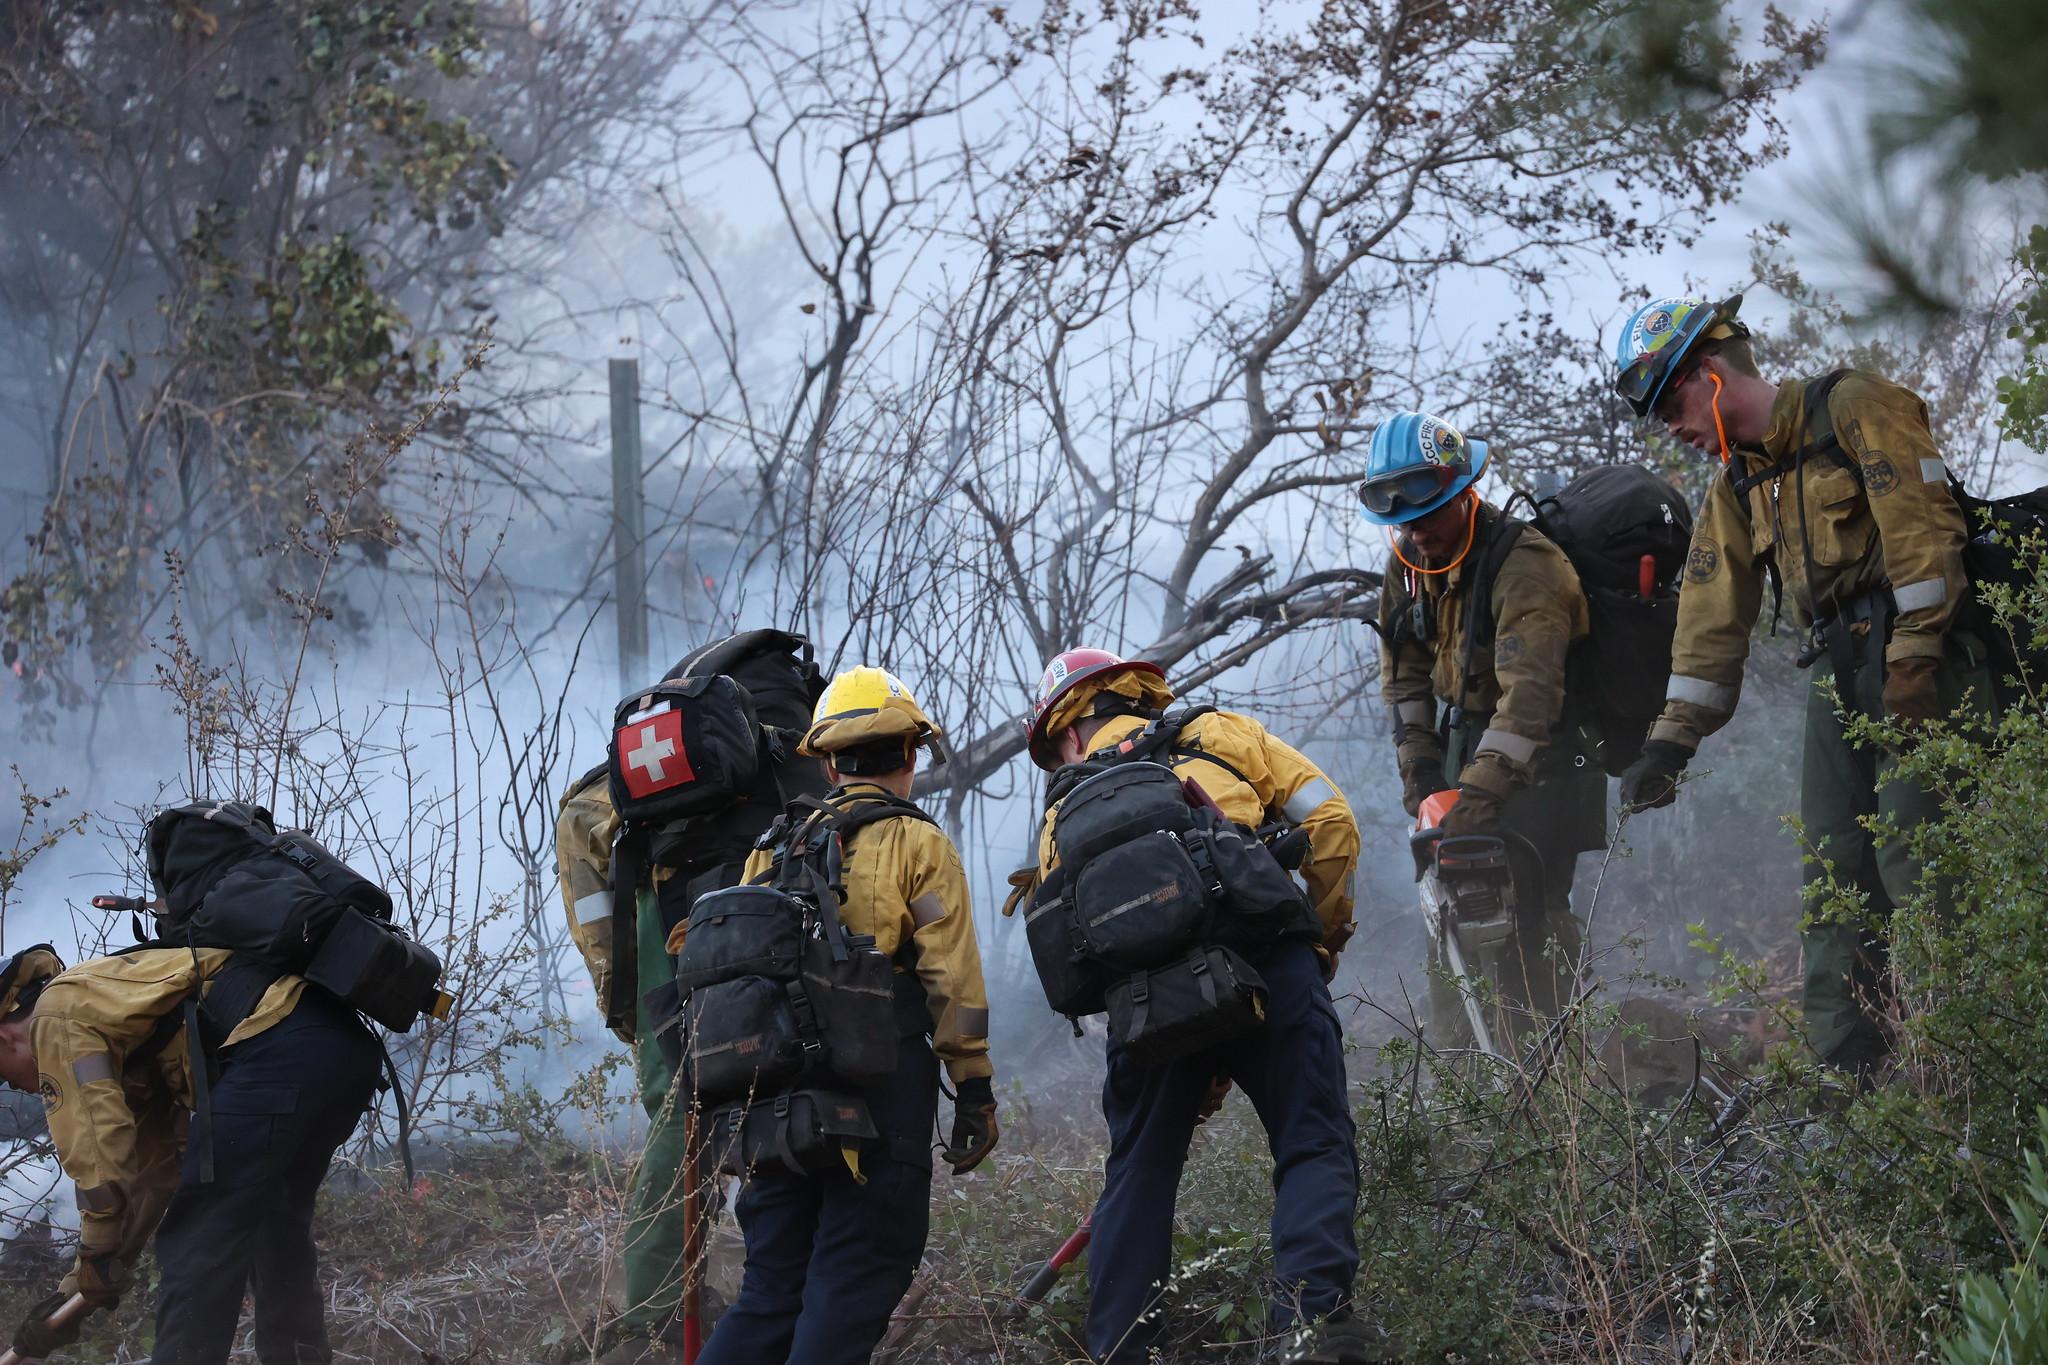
pixel 1088 703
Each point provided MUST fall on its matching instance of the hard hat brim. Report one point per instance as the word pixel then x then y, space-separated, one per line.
pixel 1035 737
pixel 1400 516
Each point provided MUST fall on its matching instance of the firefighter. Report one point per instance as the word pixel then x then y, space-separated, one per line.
pixel 830 1256
pixel 649 1330
pixel 1843 506
pixel 621 936
pixel 1484 716
pixel 105 1044
pixel 1292 1069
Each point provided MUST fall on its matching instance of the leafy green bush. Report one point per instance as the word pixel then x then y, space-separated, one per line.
pixel 2005 1317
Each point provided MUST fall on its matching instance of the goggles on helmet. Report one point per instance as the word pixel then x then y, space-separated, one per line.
pixel 1643 380
pixel 1414 487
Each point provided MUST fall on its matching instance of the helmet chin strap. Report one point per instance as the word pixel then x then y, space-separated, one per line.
pixel 1720 431
pixel 1471 530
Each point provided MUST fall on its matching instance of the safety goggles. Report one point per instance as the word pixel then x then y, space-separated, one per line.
pixel 1414 488
pixel 1643 381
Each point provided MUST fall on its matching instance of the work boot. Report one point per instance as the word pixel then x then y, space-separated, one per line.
pixel 1344 1340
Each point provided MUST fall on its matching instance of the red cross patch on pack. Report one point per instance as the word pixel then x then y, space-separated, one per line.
pixel 651 753
pixel 684 747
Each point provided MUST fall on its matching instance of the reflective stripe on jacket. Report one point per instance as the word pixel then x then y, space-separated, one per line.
pixel 1539 610
pixel 1898 525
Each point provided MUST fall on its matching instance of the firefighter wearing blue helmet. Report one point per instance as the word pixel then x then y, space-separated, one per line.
pixel 1835 496
pixel 1479 712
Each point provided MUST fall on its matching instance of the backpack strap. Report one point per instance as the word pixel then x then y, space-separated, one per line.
pixel 1502 536
pixel 631 873
pixel 208 1014
pixel 1820 439
pixel 1819 427
pixel 1159 742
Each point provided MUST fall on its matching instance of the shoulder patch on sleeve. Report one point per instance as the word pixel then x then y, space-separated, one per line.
pixel 1702 562
pixel 53 1098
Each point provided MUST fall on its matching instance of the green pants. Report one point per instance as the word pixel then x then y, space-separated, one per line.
pixel 1845 992
pixel 654 1219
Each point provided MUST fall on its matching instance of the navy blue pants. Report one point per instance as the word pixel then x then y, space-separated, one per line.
pixel 285 1100
pixel 827 1259
pixel 1292 1071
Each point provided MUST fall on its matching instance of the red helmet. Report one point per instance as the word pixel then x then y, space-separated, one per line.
pixel 1067 670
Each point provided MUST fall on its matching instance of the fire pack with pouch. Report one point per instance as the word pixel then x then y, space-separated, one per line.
pixel 787 1017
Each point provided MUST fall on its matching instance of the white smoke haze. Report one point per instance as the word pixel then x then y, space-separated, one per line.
pixel 949 361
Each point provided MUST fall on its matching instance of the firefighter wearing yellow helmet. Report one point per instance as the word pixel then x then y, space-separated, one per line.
pixel 829 1256
pixel 868 716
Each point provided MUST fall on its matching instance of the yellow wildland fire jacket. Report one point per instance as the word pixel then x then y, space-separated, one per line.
pixel 1898 525
pixel 118 1094
pixel 1517 687
pixel 1255 779
pixel 905 885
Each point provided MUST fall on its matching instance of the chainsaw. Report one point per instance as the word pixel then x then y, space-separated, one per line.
pixel 1468 901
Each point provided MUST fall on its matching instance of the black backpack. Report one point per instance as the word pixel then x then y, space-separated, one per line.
pixel 699 766
pixel 1998 529
pixel 782 1010
pixel 1626 532
pixel 285 905
pixel 1150 870
pixel 281 904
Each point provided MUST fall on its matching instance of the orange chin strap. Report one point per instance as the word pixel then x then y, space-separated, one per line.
pixel 1720 431
pixel 1471 526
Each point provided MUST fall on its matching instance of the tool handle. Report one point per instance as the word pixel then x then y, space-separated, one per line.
pixel 66 1311
pixel 1041 1284
pixel 1646 577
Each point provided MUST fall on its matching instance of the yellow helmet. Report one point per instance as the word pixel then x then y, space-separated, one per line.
pixel 860 707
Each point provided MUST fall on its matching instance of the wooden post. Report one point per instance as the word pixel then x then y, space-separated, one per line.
pixel 629 526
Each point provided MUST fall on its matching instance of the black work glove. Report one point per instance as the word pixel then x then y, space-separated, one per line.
pixel 38 1337
pixel 1477 812
pixel 1651 781
pixel 1420 780
pixel 1911 694
pixel 974 1124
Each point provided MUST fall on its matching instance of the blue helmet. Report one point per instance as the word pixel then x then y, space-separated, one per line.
pixel 1417 463
pixel 1656 340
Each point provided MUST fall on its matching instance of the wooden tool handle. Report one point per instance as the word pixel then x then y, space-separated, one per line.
pixel 66 1311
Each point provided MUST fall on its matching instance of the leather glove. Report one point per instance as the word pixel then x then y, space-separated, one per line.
pixel 1420 780
pixel 974 1124
pixel 100 1280
pixel 1651 781
pixel 1911 694
pixel 1476 812
pixel 38 1337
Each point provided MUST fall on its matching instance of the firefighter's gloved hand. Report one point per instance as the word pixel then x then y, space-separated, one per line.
pixel 1911 693
pixel 974 1124
pixel 1420 780
pixel 1651 781
pixel 38 1337
pixel 1477 812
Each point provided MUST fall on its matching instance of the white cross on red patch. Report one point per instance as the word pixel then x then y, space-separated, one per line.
pixel 651 756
